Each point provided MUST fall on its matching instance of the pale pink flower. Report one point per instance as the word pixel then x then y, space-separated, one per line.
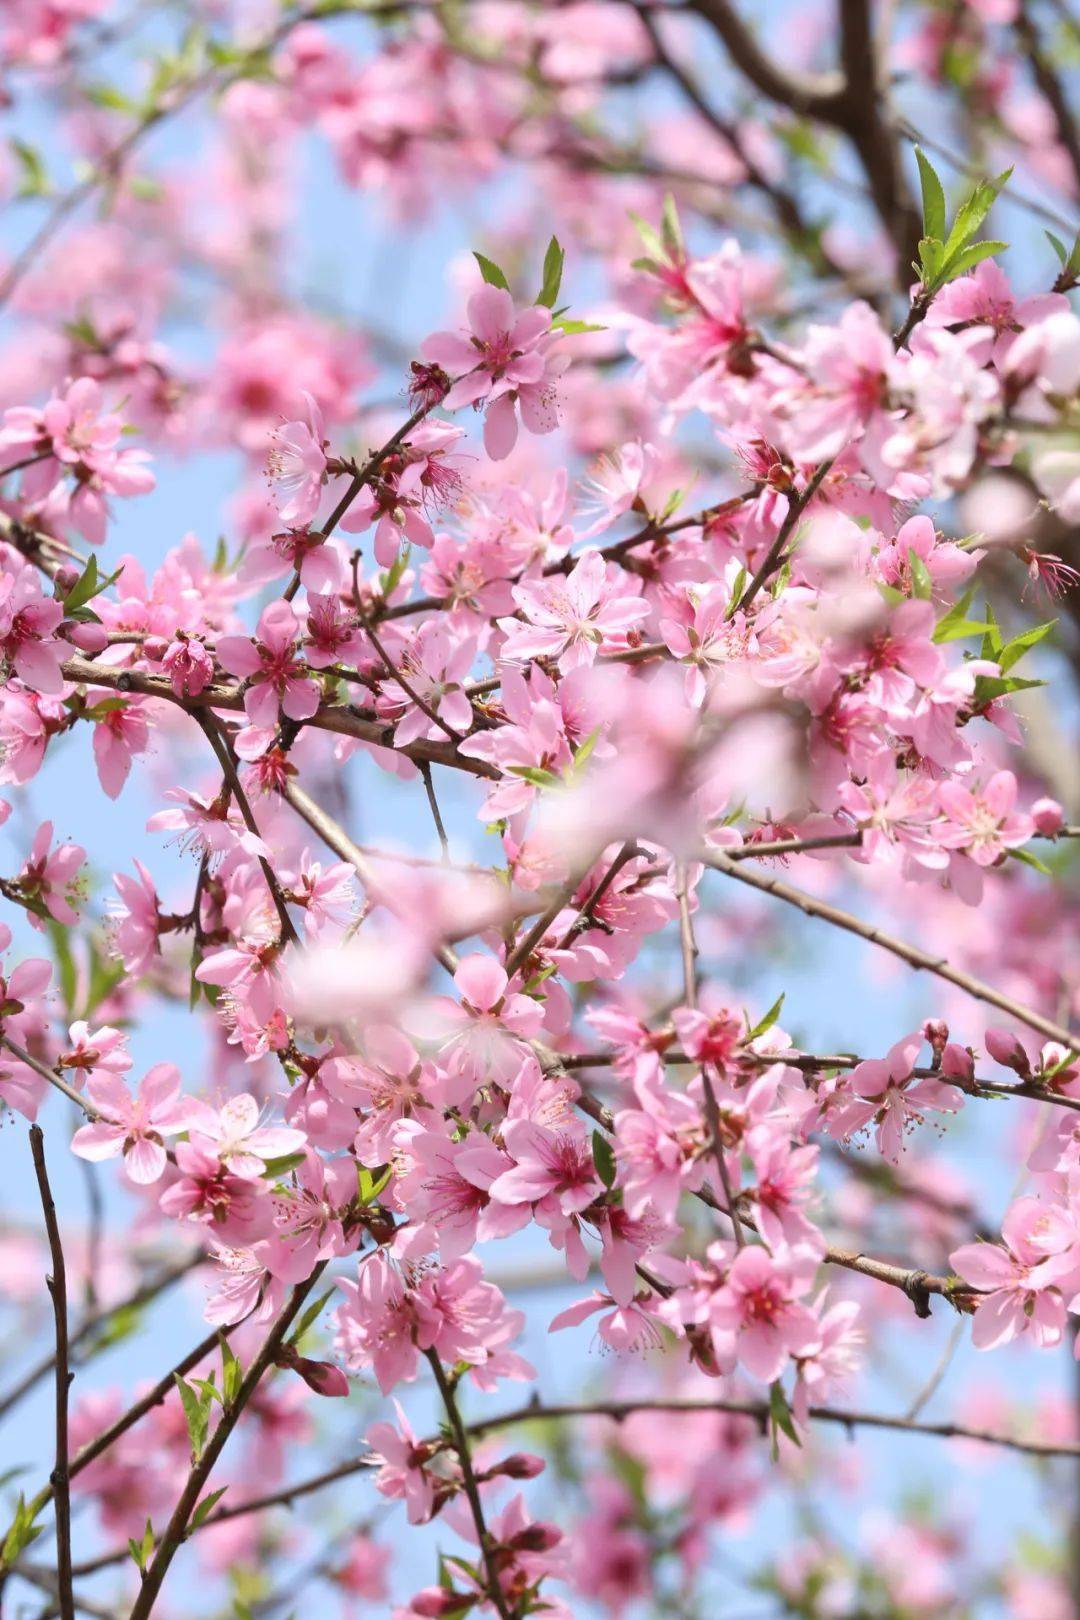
pixel 135 920
pixel 983 823
pixel 296 465
pixel 50 876
pixel 502 361
pixel 236 1138
pixel 134 1125
pixel 402 1473
pixel 896 1101
pixel 592 610
pixel 28 622
pixel 759 1307
pixel 1019 1279
pixel 270 663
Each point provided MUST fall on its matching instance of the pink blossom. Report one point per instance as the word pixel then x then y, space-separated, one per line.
pixel 896 1102
pixel 1018 1280
pixel 28 624
pixel 983 823
pixel 572 620
pixel 278 683
pixel 402 1474
pixel 503 361
pixel 134 1125
pixel 50 876
pixel 296 465
pixel 234 1135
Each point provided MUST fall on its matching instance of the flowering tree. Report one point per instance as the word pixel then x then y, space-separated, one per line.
pixel 672 612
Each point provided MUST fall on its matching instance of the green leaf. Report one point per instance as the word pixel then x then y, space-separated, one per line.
pixel 232 1374
pixel 554 259
pixel 933 197
pixel 143 1549
pixel 88 585
pixel 653 243
pixel 206 1507
pixel 1016 648
pixel 989 687
pixel 491 272
pixel 671 230
pixel 197 1415
pixel 921 583
pixel 1058 246
pixel 1028 859
pixel 780 1417
pixel 992 642
pixel 35 180
pixel 769 1019
pixel 969 257
pixel 970 214
pixel 276 1168
pixel 603 1158
pixel 371 1184
pixel 536 775
pixel 575 328
pixel 21 1532
pixel 310 1316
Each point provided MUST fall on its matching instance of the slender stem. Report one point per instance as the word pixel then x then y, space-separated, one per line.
pixel 223 750
pixel 176 1530
pixel 57 1284
pixel 50 1075
pixel 142 1296
pixel 436 814
pixel 627 853
pixel 911 954
pixel 472 1489
pixel 712 1107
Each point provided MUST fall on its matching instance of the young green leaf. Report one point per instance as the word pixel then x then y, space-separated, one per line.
pixel 603 1158
pixel 933 197
pixel 554 260
pixel 491 272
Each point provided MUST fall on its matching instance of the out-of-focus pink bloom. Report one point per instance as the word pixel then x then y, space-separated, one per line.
pixel 296 465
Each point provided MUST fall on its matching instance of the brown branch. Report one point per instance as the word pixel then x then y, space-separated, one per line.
pixel 328 717
pixel 911 954
pixel 814 96
pixel 141 1296
pixel 60 1478
pixel 50 1075
pixel 336 838
pixel 472 1490
pixel 219 742
pixel 177 1527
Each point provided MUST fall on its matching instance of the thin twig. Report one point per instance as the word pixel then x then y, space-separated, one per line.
pixel 472 1489
pixel 911 954
pixel 57 1286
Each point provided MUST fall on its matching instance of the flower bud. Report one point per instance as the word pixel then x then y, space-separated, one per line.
pixel 1005 1048
pixel 957 1062
pixel 89 638
pixel 935 1032
pixel 65 579
pixel 520 1465
pixel 1048 816
pixel 435 1601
